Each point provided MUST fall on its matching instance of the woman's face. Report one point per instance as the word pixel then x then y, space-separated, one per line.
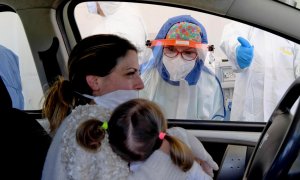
pixel 125 76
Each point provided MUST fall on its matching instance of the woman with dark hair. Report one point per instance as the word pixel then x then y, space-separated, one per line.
pixel 97 65
pixel 102 68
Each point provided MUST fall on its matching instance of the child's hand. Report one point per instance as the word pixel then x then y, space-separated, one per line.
pixel 206 167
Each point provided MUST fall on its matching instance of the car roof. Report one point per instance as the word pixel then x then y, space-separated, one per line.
pixel 270 15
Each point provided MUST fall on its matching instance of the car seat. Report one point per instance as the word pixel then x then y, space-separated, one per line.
pixel 24 142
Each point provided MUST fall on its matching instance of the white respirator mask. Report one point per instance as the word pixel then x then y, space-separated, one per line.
pixel 177 67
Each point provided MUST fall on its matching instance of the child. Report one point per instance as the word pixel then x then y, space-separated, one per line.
pixel 138 132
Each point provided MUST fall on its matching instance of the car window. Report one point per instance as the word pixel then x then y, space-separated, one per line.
pixel 292 3
pixel 242 79
pixel 17 66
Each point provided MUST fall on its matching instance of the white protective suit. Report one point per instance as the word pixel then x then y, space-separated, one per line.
pixel 123 19
pixel 198 95
pixel 275 65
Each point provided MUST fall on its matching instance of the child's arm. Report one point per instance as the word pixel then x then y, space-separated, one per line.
pixel 207 162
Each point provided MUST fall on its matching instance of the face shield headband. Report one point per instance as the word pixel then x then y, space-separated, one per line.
pixel 201 48
pixel 175 42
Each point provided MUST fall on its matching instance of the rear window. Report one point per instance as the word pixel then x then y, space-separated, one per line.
pixel 23 81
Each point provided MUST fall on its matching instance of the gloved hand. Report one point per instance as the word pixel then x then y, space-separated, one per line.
pixel 244 53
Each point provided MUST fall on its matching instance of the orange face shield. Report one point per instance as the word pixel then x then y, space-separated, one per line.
pixel 175 42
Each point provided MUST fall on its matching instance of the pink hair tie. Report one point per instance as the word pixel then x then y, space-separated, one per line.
pixel 162 135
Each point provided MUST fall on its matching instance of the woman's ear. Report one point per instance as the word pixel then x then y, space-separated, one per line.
pixel 93 82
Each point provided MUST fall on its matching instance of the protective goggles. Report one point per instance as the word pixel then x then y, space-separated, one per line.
pixel 172 52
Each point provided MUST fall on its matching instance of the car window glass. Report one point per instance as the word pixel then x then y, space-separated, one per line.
pixel 202 101
pixel 13 38
pixel 292 3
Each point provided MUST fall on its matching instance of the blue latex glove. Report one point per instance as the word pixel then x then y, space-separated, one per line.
pixel 244 53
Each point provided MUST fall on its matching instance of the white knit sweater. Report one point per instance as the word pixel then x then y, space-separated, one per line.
pixel 67 160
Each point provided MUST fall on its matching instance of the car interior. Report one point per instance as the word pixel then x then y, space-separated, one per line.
pixel 43 33
pixel 29 159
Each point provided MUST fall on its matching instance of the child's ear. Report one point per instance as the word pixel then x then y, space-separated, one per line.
pixel 93 82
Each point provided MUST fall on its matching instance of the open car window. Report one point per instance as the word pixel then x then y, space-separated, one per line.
pixel 225 89
pixel 17 67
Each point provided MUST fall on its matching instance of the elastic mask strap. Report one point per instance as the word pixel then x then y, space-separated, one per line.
pixel 86 95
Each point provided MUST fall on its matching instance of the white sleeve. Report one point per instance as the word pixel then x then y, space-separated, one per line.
pixel 229 41
pixel 196 146
pixel 158 166
pixel 53 168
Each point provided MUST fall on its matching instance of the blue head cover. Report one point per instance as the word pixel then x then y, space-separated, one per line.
pixel 156 60
pixel 182 18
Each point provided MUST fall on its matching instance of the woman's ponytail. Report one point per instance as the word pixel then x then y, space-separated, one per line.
pixel 58 103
